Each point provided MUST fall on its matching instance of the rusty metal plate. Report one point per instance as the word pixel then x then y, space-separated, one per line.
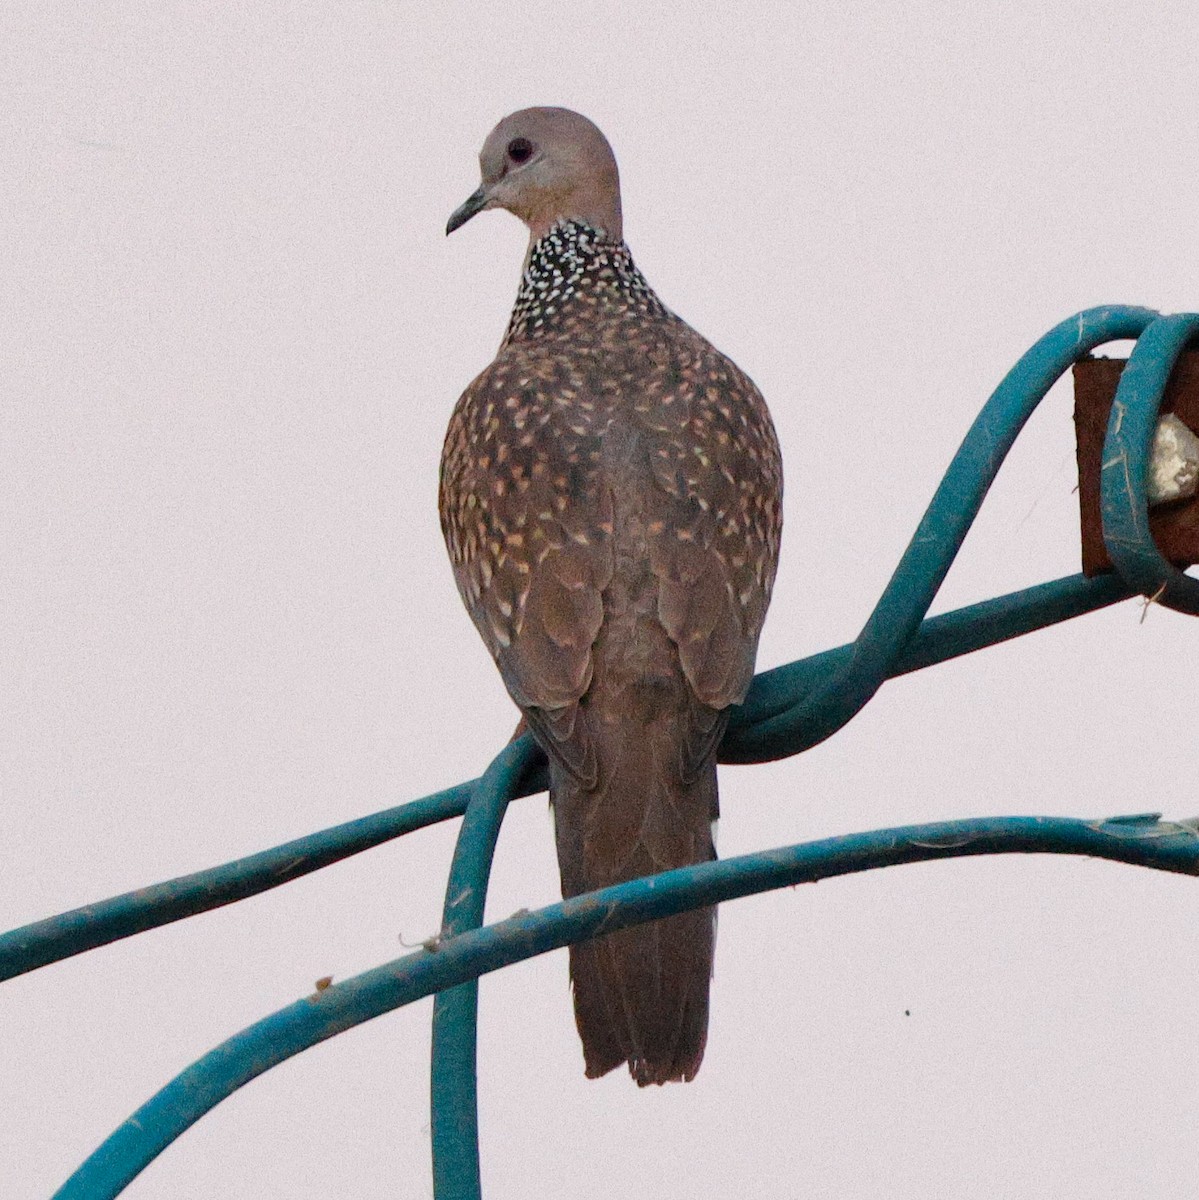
pixel 1175 527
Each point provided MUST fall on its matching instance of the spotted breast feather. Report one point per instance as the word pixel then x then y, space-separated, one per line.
pixel 610 496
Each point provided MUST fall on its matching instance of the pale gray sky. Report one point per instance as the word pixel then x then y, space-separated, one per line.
pixel 232 333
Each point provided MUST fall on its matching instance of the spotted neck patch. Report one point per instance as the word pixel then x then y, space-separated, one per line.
pixel 574 273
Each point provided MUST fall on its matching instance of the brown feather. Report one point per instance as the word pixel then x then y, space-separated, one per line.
pixel 611 499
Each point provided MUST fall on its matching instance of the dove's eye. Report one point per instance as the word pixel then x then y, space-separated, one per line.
pixel 520 150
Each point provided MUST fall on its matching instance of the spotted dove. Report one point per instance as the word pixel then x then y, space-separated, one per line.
pixel 610 496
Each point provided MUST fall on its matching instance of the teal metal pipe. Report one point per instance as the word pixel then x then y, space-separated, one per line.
pixel 945 523
pixel 939 639
pixel 453 1078
pixel 788 710
pixel 1142 840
